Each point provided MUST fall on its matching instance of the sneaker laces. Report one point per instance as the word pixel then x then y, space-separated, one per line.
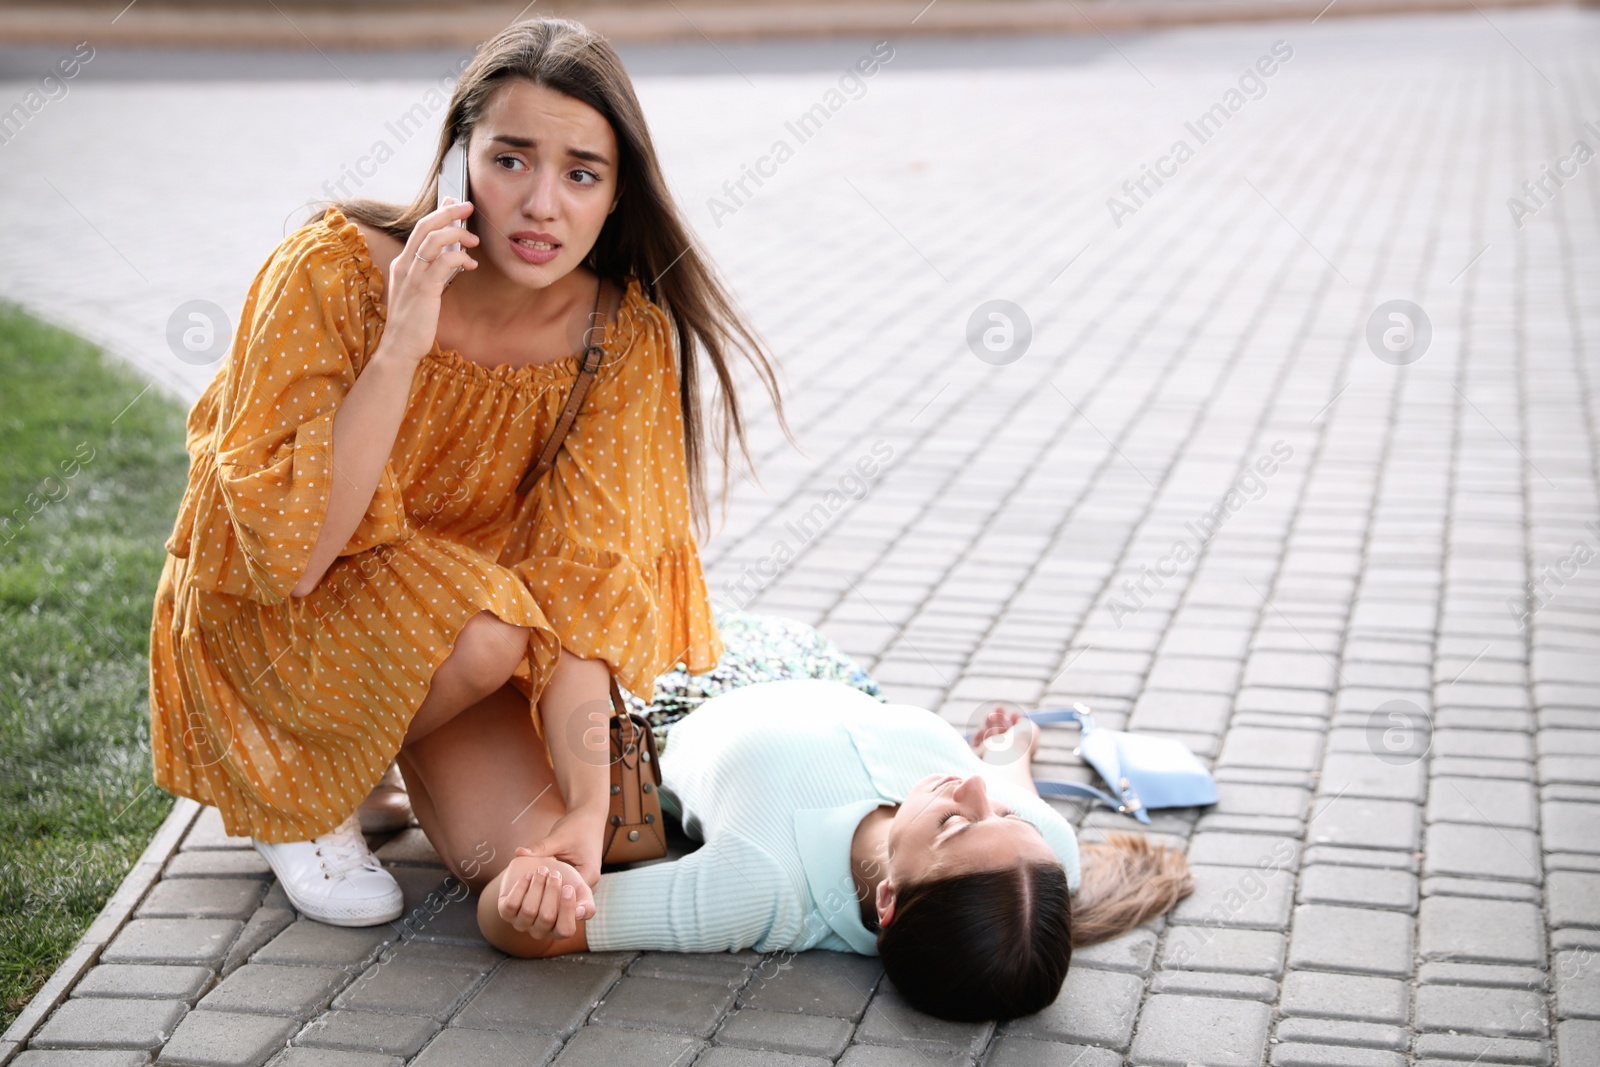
pixel 343 850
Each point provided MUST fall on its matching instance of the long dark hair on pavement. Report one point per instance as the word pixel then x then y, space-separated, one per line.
pixel 995 944
pixel 645 236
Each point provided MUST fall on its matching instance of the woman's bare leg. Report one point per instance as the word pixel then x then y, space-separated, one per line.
pixel 481 784
pixel 486 653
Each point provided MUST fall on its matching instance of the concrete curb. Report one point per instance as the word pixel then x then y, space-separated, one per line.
pixel 145 873
pixel 380 26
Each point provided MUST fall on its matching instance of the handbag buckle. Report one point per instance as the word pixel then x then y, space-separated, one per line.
pixel 1130 799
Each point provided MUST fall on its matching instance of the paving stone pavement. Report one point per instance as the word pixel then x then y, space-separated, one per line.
pixel 1221 495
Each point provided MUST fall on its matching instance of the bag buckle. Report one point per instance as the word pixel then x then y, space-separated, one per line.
pixel 1130 799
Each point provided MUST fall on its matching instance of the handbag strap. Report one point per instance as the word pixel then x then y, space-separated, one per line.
pixel 632 729
pixel 592 354
pixel 1077 713
pixel 1060 787
pixel 623 722
pixel 618 705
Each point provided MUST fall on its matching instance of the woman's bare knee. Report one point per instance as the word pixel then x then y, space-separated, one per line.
pixel 486 654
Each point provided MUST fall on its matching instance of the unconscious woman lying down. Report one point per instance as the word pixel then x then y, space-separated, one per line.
pixel 833 821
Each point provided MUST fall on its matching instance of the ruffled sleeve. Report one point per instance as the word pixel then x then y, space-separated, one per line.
pixel 603 541
pixel 309 323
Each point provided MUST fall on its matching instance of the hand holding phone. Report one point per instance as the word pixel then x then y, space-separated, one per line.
pixel 415 287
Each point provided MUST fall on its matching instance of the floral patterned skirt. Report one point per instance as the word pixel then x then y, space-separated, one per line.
pixel 757 647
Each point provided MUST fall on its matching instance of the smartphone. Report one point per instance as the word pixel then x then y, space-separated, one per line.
pixel 453 183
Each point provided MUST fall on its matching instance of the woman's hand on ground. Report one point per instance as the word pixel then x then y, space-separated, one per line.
pixel 544 897
pixel 577 838
pixel 1000 721
pixel 417 277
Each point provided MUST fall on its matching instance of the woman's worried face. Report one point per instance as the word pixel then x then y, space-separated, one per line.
pixel 542 176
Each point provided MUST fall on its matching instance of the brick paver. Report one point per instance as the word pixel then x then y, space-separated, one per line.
pixel 1209 498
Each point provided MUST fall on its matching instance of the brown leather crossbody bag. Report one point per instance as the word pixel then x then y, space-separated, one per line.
pixel 633 827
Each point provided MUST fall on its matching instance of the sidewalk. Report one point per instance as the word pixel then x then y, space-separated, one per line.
pixel 1214 488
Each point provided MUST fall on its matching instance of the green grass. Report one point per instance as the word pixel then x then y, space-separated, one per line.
pixel 91 480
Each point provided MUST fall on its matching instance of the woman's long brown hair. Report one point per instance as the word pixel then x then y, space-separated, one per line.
pixel 645 236
pixel 1124 882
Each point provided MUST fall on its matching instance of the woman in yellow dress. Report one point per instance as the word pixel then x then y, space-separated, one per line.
pixel 354 578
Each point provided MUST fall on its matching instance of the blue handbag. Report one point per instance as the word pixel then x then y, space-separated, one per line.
pixel 1143 772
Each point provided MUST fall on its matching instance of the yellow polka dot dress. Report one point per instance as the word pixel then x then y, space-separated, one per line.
pixel 284 711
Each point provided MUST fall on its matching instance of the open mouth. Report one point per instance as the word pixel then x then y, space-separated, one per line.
pixel 536 252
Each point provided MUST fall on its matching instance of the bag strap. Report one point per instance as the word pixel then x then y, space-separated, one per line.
pixel 1060 787
pixel 618 705
pixel 632 728
pixel 1077 713
pixel 592 354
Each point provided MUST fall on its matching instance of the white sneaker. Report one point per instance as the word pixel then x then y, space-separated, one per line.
pixel 334 878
